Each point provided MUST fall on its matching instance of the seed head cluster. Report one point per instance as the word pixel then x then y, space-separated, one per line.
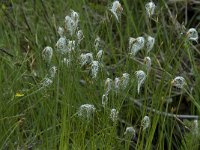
pixel 69 51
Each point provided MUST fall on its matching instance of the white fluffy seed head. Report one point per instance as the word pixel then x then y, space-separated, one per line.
pixel 86 110
pixel 86 59
pixel 141 77
pixel 150 43
pixel 75 16
pixel 61 45
pixel 100 55
pixel 61 31
pixel 46 82
pixel 71 22
pixel 125 80
pixel 131 42
pixel 116 9
pixel 179 82
pixel 108 85
pixel 52 71
pixel 89 57
pixel 147 62
pixel 114 115
pixel 47 54
pixel 192 34
pixel 117 84
pixel 145 122
pixel 94 68
pixel 70 25
pixel 68 19
pixel 104 100
pixel 83 59
pixel 136 44
pixel 80 36
pixel 140 41
pixel 97 43
pixel 150 8
pixel 130 131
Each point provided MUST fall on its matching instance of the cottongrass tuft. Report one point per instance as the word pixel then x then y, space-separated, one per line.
pixel 71 22
pixel 86 110
pixel 108 85
pixel 150 8
pixel 125 80
pixel 46 82
pixel 75 16
pixel 61 45
pixel 61 31
pixel 86 59
pixel 94 68
pixel 150 43
pixel 100 55
pixel 179 82
pixel 145 122
pixel 52 71
pixel 80 36
pixel 116 9
pixel 70 25
pixel 104 100
pixel 114 115
pixel 147 62
pixel 47 54
pixel 97 42
pixel 136 44
pixel 141 77
pixel 192 34
pixel 117 84
pixel 130 132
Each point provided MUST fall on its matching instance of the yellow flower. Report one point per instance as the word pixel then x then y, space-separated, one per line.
pixel 19 94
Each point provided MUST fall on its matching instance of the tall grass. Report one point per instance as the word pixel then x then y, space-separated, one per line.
pixel 32 117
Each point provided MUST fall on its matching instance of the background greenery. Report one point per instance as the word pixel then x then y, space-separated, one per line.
pixel 46 118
